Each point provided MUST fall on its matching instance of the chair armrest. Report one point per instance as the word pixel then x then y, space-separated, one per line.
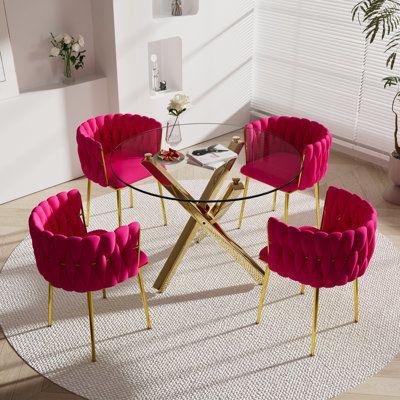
pixel 92 160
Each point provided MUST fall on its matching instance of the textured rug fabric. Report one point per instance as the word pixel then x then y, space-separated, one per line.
pixel 204 343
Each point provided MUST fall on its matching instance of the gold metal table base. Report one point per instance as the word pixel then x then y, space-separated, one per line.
pixel 202 216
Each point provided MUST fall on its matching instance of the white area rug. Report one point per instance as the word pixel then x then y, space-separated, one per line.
pixel 204 343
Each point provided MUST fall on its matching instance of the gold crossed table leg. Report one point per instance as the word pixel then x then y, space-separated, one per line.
pixel 202 217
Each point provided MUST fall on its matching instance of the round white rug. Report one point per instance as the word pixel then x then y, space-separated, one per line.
pixel 204 343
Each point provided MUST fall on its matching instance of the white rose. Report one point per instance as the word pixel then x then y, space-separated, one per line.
pixel 59 38
pixel 54 52
pixel 67 39
pixel 179 103
pixel 81 40
pixel 76 47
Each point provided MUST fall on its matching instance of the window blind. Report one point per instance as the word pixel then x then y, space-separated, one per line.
pixel 310 60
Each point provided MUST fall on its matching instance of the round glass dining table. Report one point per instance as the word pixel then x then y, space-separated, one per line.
pixel 268 158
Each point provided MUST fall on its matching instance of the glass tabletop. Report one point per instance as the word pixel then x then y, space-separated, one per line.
pixel 265 157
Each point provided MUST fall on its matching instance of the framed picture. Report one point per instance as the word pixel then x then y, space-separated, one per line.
pixel 8 78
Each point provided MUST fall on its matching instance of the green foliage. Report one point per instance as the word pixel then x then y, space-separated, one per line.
pixel 381 16
pixel 391 81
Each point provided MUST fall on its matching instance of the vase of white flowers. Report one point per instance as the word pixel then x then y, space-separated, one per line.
pixel 177 105
pixel 70 50
pixel 176 8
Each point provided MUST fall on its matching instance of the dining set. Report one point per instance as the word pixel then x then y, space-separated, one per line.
pixel 284 154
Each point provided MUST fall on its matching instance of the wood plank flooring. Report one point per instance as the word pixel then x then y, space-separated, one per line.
pixel 20 382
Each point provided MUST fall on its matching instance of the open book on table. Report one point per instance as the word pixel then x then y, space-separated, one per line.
pixel 212 160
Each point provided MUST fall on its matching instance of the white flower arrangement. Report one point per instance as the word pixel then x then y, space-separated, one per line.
pixel 69 49
pixel 178 104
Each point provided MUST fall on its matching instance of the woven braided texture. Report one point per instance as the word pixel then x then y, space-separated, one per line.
pixel 204 343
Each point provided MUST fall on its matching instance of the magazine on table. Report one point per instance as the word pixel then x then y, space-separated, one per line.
pixel 213 157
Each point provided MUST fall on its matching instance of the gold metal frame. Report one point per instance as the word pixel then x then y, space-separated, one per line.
pixel 50 307
pixel 315 308
pixel 200 218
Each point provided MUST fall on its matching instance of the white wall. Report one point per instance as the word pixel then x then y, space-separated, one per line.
pixel 104 45
pixel 37 136
pixel 30 23
pixel 8 78
pixel 216 56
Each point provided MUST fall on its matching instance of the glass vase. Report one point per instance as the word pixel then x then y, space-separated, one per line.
pixel 173 135
pixel 176 7
pixel 68 77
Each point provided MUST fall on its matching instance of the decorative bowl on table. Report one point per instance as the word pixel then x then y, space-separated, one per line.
pixel 169 156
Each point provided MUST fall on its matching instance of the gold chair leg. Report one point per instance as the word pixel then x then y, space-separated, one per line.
pixel 131 197
pixel 302 289
pixel 286 211
pixel 314 324
pixel 50 307
pixel 246 188
pixel 317 209
pixel 356 300
pixel 104 293
pixel 164 213
pixel 144 300
pixel 274 200
pixel 88 193
pixel 119 207
pixel 262 297
pixel 91 321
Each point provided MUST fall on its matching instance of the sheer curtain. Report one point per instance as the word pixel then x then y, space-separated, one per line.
pixel 311 61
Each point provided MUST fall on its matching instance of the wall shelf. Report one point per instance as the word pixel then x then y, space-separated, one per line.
pixel 162 8
pixel 168 53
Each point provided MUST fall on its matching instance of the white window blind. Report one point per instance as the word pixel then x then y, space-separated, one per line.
pixel 310 61
pixel 375 125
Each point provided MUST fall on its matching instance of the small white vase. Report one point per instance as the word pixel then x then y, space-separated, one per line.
pixel 173 135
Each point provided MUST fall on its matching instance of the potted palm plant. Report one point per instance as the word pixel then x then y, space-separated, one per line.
pixel 381 20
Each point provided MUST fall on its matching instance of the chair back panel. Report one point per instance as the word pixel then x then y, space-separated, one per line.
pixel 325 258
pixel 80 262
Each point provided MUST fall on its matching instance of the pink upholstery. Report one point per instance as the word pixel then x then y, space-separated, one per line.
pixel 70 258
pixel 310 138
pixel 106 132
pixel 335 255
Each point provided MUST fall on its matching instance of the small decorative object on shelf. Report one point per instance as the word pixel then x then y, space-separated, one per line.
pixel 70 50
pixel 155 77
pixel 163 85
pixel 177 105
pixel 176 7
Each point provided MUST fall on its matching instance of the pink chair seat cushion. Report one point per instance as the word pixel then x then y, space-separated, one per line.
pixel 275 170
pixel 130 170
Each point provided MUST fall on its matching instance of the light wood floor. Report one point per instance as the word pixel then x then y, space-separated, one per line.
pixel 19 382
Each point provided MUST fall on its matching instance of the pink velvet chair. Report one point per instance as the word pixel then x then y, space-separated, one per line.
pixel 72 259
pixel 336 254
pixel 99 136
pixel 311 139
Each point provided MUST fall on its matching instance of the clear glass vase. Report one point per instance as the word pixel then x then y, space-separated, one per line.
pixel 176 7
pixel 68 77
pixel 173 135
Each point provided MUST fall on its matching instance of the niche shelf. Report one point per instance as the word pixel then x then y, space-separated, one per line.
pixel 168 53
pixel 162 8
